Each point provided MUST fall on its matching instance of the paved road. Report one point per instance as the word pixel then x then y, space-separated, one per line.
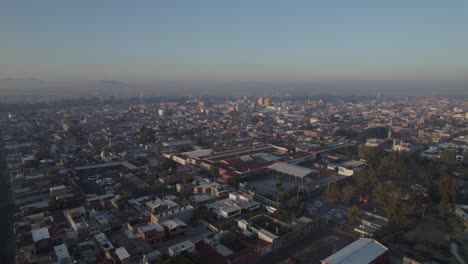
pixel 313 248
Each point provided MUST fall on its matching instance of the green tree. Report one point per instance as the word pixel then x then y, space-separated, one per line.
pixel 234 181
pixel 122 202
pixel 352 213
pixel 332 195
pixel 365 180
pixel 376 132
pixel 231 240
pixel 294 203
pixel 334 249
pixel 200 212
pixel 347 193
pixel 448 188
pixel 213 170
pixel 381 192
pixel 392 166
pixel 448 158
pixel 395 211
pixel 279 177
pixel 444 208
pixel 373 155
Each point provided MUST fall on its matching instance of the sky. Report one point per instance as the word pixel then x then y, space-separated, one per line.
pixel 265 41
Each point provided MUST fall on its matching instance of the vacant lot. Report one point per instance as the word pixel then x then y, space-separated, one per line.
pixel 266 183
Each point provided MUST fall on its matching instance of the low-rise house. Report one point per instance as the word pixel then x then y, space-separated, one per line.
pixel 174 227
pixel 151 232
pixel 181 248
pixel 41 239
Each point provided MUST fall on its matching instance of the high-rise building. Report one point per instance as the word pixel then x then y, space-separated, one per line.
pixel 260 101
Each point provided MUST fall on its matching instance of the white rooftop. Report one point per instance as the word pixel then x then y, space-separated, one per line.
pixel 122 253
pixel 61 252
pixel 175 249
pixel 360 251
pixel 56 188
pixel 40 234
pixel 291 169
pixel 197 153
pixel 151 226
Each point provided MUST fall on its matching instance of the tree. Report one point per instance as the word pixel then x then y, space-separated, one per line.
pixel 348 193
pixel 397 214
pixel 289 193
pixel 213 170
pixel 395 211
pixel 448 158
pixel 334 249
pixel 381 193
pixel 279 177
pixel 200 212
pixel 392 166
pixel 373 155
pixel 352 213
pixel 444 208
pixel 122 202
pixel 376 132
pixel 332 195
pixel 448 188
pixel 230 240
pixel 279 180
pixel 234 181
pixel 278 185
pixel 186 180
pixel 294 203
pixel 167 167
pixel 341 132
pixel 365 180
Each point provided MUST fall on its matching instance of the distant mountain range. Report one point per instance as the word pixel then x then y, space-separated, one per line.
pixel 12 89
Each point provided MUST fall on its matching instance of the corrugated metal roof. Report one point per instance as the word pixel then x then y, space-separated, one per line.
pixel 291 169
pixel 40 234
pixel 361 251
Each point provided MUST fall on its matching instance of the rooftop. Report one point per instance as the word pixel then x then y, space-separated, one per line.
pixel 360 251
pixel 40 234
pixel 151 226
pixel 122 253
pixel 291 169
pixel 61 252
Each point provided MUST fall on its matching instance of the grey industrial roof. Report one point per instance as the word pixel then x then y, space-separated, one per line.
pixel 360 251
pixel 291 169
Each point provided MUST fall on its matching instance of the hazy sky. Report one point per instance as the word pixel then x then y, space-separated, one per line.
pixel 402 40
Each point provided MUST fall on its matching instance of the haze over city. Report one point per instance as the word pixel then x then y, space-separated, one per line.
pixel 233 47
pixel 233 132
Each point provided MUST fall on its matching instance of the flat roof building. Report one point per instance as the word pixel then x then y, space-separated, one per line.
pixel 362 251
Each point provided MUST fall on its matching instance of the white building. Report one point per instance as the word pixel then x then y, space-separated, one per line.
pixel 184 247
pixel 348 168
pixel 401 147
